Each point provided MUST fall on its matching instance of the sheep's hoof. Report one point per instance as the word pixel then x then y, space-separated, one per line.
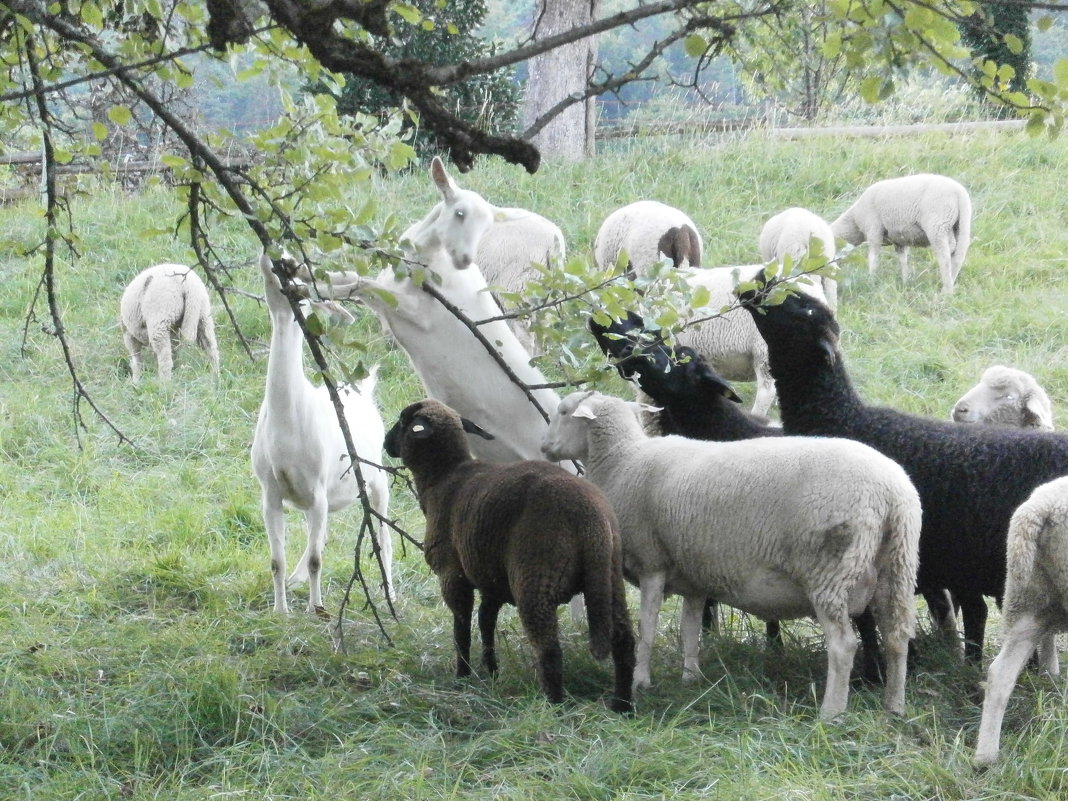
pixel 321 613
pixel 622 705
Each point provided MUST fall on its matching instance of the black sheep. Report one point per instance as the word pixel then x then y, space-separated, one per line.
pixel 526 533
pixel 970 478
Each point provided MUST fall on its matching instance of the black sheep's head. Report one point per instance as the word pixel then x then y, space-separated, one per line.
pixel 789 320
pixel 430 429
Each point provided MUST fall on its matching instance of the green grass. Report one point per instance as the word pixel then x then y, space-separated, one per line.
pixel 139 657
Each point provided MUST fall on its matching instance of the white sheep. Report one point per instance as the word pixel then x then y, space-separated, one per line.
pixel 922 210
pixel 454 366
pixel 1008 397
pixel 161 304
pixel 731 343
pixel 1035 607
pixel 648 231
pixel 299 453
pixel 790 233
pixel 780 527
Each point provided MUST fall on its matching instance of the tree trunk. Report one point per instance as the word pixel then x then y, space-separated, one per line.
pixel 559 73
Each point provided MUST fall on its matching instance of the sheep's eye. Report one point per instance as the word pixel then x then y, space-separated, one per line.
pixel 459 214
pixel 809 312
pixel 417 428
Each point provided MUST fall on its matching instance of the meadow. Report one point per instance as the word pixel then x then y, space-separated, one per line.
pixel 141 660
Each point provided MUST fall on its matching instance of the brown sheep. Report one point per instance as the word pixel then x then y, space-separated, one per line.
pixel 526 533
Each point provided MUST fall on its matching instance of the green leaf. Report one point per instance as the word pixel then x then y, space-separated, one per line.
pixel 1014 44
pixel 695 45
pixel 100 131
pixel 409 13
pixel 120 115
pixel 173 161
pixel 1044 23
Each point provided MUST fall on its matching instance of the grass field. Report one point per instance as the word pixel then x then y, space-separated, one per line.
pixel 140 659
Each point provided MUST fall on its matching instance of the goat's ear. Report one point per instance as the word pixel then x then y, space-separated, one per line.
pixel 419 427
pixel 444 183
pixel 334 310
pixel 474 428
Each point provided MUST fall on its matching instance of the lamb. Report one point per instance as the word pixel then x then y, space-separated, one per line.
pixel 730 343
pixel 1036 603
pixel 922 210
pixel 1008 397
pixel 299 454
pixel 454 366
pixel 790 233
pixel 647 231
pixel 526 533
pixel 839 532
pixel 970 478
pixel 161 304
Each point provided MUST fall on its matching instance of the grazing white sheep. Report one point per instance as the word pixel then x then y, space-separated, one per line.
pixel 161 304
pixel 838 532
pixel 1008 397
pixel 790 233
pixel 299 453
pixel 922 210
pixel 1035 606
pixel 731 343
pixel 648 231
pixel 454 366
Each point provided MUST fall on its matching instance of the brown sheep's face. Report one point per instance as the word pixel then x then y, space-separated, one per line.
pixel 425 420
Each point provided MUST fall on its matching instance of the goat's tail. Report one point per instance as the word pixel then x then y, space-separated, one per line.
pixel 602 582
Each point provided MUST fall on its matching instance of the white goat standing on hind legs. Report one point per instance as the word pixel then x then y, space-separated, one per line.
pixel 299 453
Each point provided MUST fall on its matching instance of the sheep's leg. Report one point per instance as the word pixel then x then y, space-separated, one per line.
pixel 896 645
pixel 160 339
pixel 973 610
pixel 765 393
pixel 944 257
pixel 1019 643
pixel 622 650
pixel 709 619
pixel 841 647
pixel 943 611
pixel 1048 661
pixel 651 588
pixel 874 246
pixel 487 629
pixel 903 259
pixel 692 606
pixel 311 562
pixel 459 596
pixel 871 667
pixel 539 622
pixel 275 522
pixel 134 347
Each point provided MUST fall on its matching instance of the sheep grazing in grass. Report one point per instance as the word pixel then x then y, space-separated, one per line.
pixel 527 533
pixel 299 453
pixel 780 527
pixel 1005 396
pixel 922 210
pixel 648 232
pixel 791 233
pixel 161 305
pixel 453 364
pixel 1035 607
pixel 730 342
pixel 970 478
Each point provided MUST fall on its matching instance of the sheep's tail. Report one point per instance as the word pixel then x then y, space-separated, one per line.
pixel 899 561
pixel 195 307
pixel 602 582
pixel 1028 523
pixel 963 228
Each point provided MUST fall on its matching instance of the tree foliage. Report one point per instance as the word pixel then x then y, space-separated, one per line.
pixel 1001 34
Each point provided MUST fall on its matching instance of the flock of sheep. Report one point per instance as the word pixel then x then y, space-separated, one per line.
pixel 870 505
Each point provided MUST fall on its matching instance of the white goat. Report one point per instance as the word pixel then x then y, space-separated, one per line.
pixel 160 304
pixel 454 366
pixel 1008 397
pixel 791 233
pixel 839 531
pixel 922 210
pixel 1035 606
pixel 299 453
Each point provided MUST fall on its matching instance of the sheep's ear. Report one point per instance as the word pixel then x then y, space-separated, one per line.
pixel 585 411
pixel 1037 411
pixel 703 374
pixel 474 428
pixel 419 427
pixel 827 346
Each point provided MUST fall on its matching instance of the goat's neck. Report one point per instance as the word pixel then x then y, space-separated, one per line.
pixel 286 383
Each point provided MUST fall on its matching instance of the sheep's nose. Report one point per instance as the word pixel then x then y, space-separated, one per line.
pixel 960 413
